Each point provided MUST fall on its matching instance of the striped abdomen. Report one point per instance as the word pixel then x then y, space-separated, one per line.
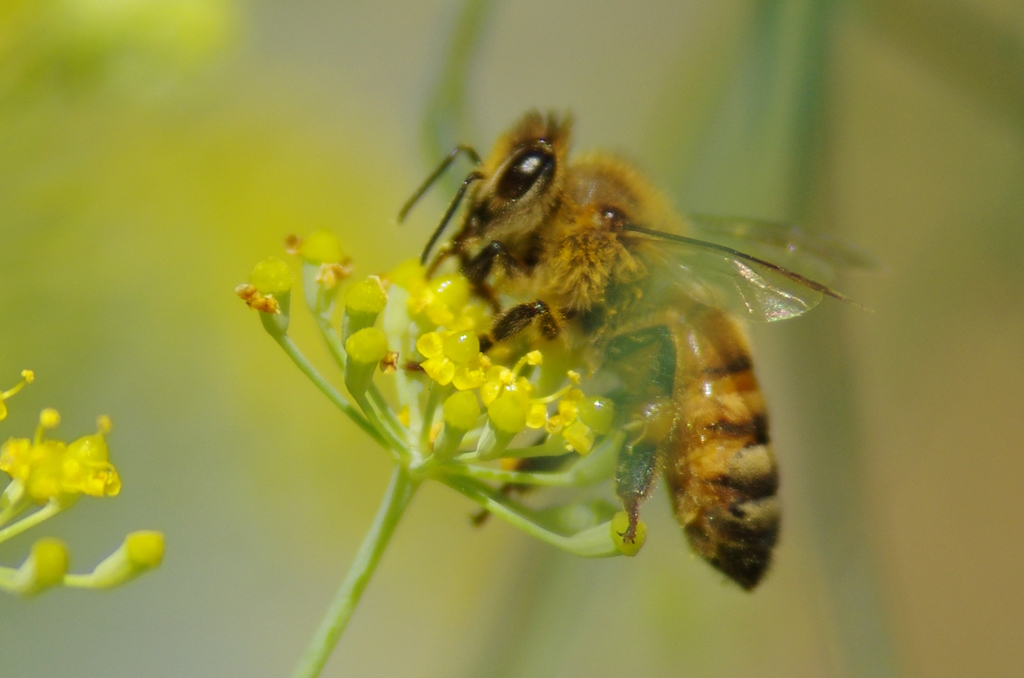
pixel 721 470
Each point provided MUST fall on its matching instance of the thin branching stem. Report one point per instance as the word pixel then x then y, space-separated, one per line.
pixel 396 500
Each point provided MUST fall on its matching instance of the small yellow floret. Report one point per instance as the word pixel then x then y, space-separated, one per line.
pixel 579 437
pixel 367 346
pixel 407 274
pixel 461 347
pixel 619 524
pixel 49 418
pixel 452 291
pixel 461 410
pixel 366 296
pixel 508 413
pixel 48 561
pixel 430 345
pixel 534 358
pixel 537 416
pixel 439 369
pixel 321 247
pixel 87 469
pixel 471 375
pixel 15 458
pixel 145 548
pixel 272 276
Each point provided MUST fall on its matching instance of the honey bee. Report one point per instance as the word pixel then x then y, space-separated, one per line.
pixel 592 255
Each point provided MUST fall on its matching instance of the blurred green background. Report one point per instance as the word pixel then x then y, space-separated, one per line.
pixel 151 151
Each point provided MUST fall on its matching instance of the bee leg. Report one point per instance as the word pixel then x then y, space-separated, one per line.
pixel 645 361
pixel 634 479
pixel 519 317
pixel 477 268
pixel 480 266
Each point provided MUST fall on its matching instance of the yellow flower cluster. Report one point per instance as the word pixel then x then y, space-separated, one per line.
pixel 51 469
pixel 453 356
pixel 443 301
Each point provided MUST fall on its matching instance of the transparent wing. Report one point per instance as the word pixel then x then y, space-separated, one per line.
pixel 718 275
pixel 814 255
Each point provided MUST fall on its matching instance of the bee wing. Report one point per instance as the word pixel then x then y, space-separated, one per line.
pixel 718 275
pixel 814 255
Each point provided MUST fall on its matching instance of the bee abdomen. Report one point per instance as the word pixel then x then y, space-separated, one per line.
pixel 732 519
pixel 723 477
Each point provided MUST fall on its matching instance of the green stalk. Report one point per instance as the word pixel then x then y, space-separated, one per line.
pixel 332 394
pixel 594 542
pixel 396 500
pixel 374 396
pixel 51 509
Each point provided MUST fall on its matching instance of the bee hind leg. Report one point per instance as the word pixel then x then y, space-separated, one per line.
pixel 634 479
pixel 645 361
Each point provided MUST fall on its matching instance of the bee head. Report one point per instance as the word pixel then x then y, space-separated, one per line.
pixel 521 179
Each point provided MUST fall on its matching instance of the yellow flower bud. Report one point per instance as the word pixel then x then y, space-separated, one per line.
pixel 367 346
pixel 439 369
pixel 145 548
pixel 366 296
pixel 49 418
pixel 508 413
pixel 272 276
pixel 579 436
pixel 44 568
pixel 430 345
pixel 461 347
pixel 407 274
pixel 321 247
pixel 619 524
pixel 468 377
pixel 461 410
pixel 537 416
pixel 139 553
pixel 451 290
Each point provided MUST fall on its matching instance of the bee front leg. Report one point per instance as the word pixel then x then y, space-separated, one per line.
pixel 477 268
pixel 516 319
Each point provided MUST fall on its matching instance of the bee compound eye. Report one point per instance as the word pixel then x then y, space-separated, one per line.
pixel 527 167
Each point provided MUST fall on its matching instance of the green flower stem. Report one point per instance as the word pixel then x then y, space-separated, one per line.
pixel 404 454
pixel 289 347
pixel 595 542
pixel 375 397
pixel 396 499
pixel 596 467
pixel 51 509
pixel 14 500
pixel 7 578
pixel 497 475
pixel 434 396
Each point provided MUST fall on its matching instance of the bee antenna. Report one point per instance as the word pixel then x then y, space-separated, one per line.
pixel 435 175
pixel 454 205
